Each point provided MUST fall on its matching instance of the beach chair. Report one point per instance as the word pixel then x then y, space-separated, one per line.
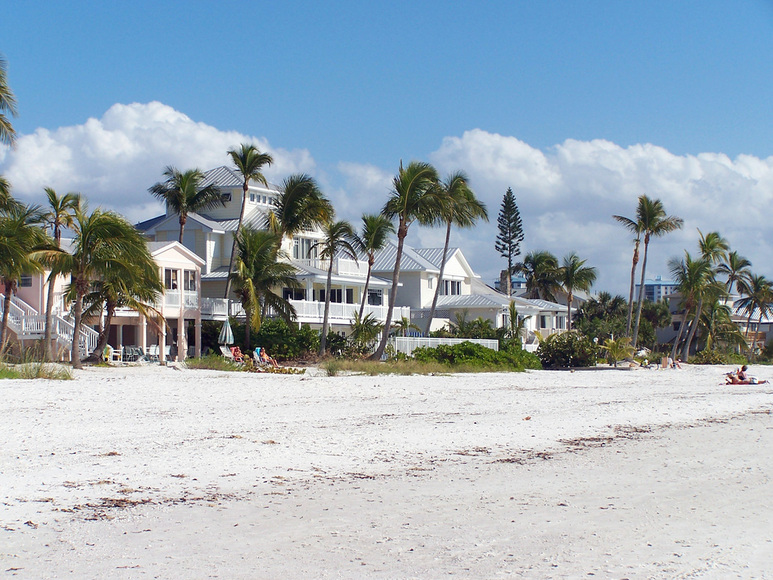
pixel 226 352
pixel 237 355
pixel 116 354
pixel 153 353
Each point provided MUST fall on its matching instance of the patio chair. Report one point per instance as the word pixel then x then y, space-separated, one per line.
pixel 153 353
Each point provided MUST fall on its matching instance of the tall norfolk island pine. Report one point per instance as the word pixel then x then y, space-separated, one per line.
pixel 510 235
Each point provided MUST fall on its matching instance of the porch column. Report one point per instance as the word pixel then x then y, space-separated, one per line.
pixel 198 335
pixel 162 345
pixel 143 333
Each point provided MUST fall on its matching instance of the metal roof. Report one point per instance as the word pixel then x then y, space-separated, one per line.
pixel 435 255
pixel 411 260
pixel 226 177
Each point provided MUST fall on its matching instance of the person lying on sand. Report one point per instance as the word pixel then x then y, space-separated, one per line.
pixel 741 377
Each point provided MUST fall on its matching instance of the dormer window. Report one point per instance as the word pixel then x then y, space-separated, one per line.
pixel 226 196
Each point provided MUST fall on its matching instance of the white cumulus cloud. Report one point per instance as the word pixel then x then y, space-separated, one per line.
pixel 114 159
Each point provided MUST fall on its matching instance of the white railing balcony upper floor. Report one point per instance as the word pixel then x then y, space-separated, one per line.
pixel 309 311
pixel 341 266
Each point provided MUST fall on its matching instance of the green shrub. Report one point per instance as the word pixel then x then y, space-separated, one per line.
pixel 708 357
pixel 285 342
pixel 566 350
pixel 214 362
pixel 476 357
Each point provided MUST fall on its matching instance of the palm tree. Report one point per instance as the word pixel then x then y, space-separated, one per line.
pixel 461 208
pixel 634 226
pixel 300 205
pixel 756 295
pixel 516 324
pixel 7 105
pixel 541 271
pixel 103 242
pixel 618 349
pixel 248 161
pixel 259 270
pixel 375 231
pixel 183 193
pixel 60 215
pixel 575 275
pixel 365 330
pixel 6 199
pixel 20 241
pixel 691 277
pixel 404 325
pixel 339 238
pixel 135 284
pixel 717 323
pixel 713 248
pixel 736 268
pixel 653 223
pixel 412 199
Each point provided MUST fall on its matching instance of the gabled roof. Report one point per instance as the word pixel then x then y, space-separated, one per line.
pixel 160 221
pixel 157 248
pixel 435 256
pixel 226 177
pixel 411 260
pixel 306 271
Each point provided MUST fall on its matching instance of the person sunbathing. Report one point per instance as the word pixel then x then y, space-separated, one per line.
pixel 267 360
pixel 237 354
pixel 741 377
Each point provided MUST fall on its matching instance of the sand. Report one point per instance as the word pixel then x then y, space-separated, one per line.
pixel 155 472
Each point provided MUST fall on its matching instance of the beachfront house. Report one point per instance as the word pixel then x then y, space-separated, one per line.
pixel 131 335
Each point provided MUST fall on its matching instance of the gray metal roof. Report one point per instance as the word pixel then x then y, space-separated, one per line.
pixel 435 255
pixel 226 177
pixel 411 260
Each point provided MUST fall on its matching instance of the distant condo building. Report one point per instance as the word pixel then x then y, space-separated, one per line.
pixel 657 289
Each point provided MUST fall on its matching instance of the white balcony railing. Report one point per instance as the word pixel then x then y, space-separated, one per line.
pixel 191 299
pixel 341 266
pixel 309 311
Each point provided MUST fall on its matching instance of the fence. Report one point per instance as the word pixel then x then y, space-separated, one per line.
pixel 406 344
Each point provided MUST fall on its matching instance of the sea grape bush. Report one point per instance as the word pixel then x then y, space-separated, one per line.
pixel 566 350
pixel 473 355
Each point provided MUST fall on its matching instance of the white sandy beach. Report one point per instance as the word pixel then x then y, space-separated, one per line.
pixel 154 472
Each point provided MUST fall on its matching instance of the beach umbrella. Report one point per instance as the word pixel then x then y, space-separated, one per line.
pixel 226 334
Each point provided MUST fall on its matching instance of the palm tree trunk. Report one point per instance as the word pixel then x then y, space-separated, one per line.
pixel 104 333
pixel 365 289
pixel 6 310
pixel 75 352
pixel 247 328
pixel 634 262
pixel 641 293
pixel 440 279
pixel 401 233
pixel 245 188
pixel 569 311
pixel 328 284
pixel 48 354
pixel 679 334
pixel 693 328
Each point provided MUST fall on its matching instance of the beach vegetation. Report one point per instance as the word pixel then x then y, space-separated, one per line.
pixel 574 275
pixel 510 236
pixel 413 198
pixel 183 192
pixel 300 205
pixel 283 341
pixel 567 350
pixel 542 273
pixel 60 214
pixel 458 207
pixel 364 333
pixel 375 233
pixel 7 106
pixel 258 271
pixel 469 355
pixel 338 239
pixel 214 362
pixel 618 349
pixel 103 243
pixel 249 162
pixel 22 244
pixel 653 223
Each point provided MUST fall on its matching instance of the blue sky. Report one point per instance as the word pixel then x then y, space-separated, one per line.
pixel 579 106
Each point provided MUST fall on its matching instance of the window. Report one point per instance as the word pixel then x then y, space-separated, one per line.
pixel 335 295
pixel 25 281
pixel 189 280
pixel 430 282
pixel 170 279
pixel 350 295
pixel 294 294
pixel 544 321
pixel 226 196
pixel 451 288
pixel 374 297
pixel 302 249
pixel 252 197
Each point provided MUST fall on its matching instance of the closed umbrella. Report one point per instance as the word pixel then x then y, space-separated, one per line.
pixel 226 334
